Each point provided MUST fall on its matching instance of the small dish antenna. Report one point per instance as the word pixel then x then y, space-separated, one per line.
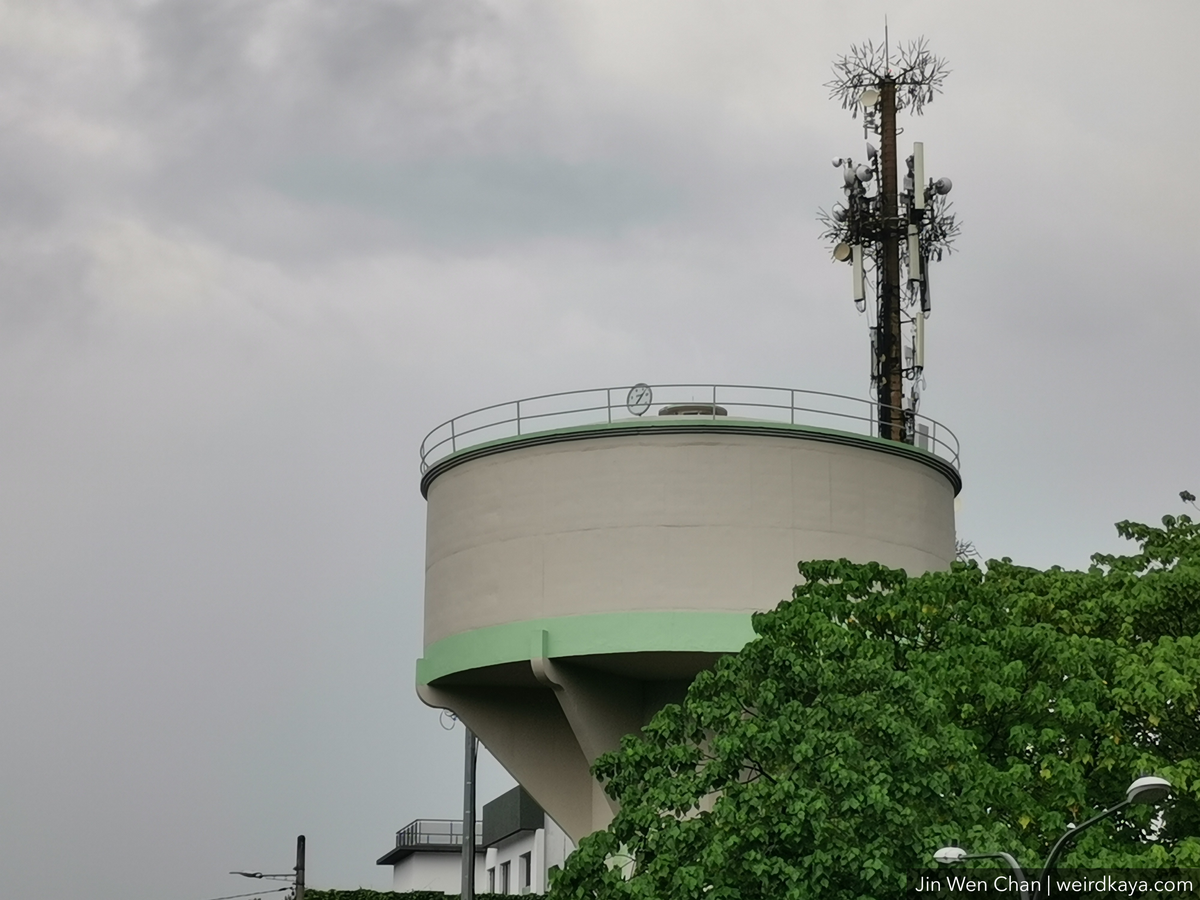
pixel 868 98
pixel 842 252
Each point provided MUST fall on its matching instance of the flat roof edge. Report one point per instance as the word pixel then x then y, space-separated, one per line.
pixel 695 426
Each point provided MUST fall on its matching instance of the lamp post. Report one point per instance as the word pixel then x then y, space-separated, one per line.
pixel 1144 790
pixel 471 756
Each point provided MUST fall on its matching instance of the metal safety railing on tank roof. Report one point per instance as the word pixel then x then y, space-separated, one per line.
pixel 739 402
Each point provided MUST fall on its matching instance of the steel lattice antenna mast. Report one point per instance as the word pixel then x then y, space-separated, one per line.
pixel 890 236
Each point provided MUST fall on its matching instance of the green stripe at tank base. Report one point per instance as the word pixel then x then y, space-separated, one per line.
pixel 628 632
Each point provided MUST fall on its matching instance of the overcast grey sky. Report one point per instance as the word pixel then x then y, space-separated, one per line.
pixel 252 251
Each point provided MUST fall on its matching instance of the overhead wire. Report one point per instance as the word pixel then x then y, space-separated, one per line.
pixel 251 894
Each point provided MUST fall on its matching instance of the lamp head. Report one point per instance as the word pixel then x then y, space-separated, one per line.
pixel 1148 789
pixel 948 855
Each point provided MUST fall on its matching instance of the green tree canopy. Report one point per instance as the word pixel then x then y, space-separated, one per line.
pixel 879 717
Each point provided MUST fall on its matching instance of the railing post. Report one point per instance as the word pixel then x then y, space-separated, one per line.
pixel 518 417
pixel 453 439
pixel 792 404
pixel 714 402
pixel 608 403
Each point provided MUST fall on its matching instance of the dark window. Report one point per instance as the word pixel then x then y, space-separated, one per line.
pixel 526 870
pixel 492 880
pixel 504 867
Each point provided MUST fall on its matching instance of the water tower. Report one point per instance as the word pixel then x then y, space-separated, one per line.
pixel 589 552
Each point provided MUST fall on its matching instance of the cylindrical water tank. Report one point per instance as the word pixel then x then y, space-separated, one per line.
pixel 577 578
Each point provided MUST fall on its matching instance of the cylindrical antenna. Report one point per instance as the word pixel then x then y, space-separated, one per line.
pixel 919 175
pixel 856 267
pixel 919 356
pixel 914 252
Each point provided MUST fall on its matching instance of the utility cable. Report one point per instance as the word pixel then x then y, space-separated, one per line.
pixel 252 894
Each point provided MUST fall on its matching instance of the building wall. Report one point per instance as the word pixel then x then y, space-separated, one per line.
pixel 429 871
pixel 546 847
pixel 556 846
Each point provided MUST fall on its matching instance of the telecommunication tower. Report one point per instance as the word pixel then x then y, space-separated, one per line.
pixel 889 231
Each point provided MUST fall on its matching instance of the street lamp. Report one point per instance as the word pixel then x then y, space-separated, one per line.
pixel 950 855
pixel 1144 790
pixel 279 876
pixel 296 876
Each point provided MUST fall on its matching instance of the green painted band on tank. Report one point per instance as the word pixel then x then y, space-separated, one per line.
pixel 628 632
pixel 692 425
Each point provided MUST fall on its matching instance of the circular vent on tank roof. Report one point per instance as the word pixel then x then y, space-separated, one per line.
pixel 693 409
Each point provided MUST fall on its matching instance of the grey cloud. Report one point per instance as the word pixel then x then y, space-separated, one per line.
pixel 473 199
pixel 235 83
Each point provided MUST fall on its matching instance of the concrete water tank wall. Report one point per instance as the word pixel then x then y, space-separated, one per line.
pixel 578 579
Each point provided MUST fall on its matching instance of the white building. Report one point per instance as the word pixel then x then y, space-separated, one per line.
pixel 428 856
pixel 517 845
pixel 523 845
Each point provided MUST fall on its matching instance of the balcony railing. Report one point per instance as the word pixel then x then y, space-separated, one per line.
pixel 435 833
pixel 566 409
